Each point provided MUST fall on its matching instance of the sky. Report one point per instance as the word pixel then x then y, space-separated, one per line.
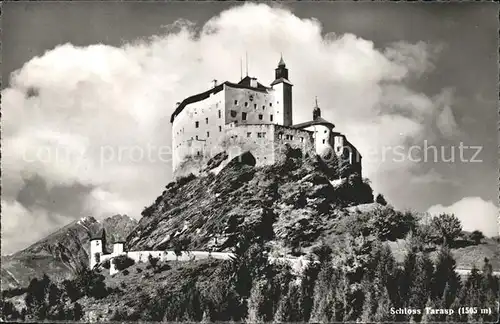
pixel 88 89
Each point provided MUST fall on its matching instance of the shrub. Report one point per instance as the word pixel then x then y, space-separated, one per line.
pixel 476 236
pixel 125 272
pixel 139 270
pixel 106 264
pixel 153 261
pixel 381 200
pixel 122 262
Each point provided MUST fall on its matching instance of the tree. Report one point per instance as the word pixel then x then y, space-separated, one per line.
pixel 179 246
pixel 45 300
pixel 476 237
pixel 307 286
pixel 445 281
pixel 420 285
pixel 381 200
pixel 447 227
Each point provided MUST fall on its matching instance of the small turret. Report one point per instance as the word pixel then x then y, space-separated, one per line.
pixel 316 111
pixel 97 248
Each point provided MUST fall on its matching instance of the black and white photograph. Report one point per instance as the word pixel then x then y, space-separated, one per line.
pixel 250 162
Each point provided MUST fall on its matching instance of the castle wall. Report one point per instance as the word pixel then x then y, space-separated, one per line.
pixel 322 140
pixel 296 138
pixel 246 106
pixel 258 139
pixel 197 127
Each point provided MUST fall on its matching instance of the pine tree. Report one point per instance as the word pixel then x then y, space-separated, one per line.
pixel 307 286
pixel 383 311
pixel 445 281
pixel 420 287
pixel 324 304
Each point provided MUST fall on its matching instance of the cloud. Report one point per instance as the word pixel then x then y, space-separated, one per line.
pixel 433 177
pixel 17 221
pixel 98 115
pixel 474 214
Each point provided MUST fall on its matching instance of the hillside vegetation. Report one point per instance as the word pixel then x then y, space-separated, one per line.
pixel 370 257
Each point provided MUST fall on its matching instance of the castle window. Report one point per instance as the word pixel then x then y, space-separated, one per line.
pixel 261 116
pixel 291 137
pixel 249 134
pixel 220 128
pixel 196 137
pixel 280 136
pixel 270 104
pixel 196 124
pixel 260 135
pixel 198 153
pixel 206 120
pixel 326 131
pixel 301 139
pixel 236 102
pixel 220 114
pixel 324 141
pixel 233 113
pixel 208 134
pixel 255 106
pixel 244 116
pixel 263 107
pixel 271 117
pixel 246 104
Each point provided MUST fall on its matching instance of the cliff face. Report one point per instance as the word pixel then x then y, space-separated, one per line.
pixel 63 252
pixel 295 197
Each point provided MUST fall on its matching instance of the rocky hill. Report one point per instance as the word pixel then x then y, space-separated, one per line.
pixel 61 253
pixel 294 202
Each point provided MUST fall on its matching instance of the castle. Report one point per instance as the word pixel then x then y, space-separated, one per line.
pixel 248 116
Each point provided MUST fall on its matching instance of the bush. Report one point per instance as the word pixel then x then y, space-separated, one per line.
pixel 139 270
pixel 122 262
pixel 106 264
pixel 381 200
pixel 125 272
pixel 153 261
pixel 476 236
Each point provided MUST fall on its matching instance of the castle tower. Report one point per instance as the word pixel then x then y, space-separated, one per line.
pixel 283 90
pixel 316 111
pixel 97 248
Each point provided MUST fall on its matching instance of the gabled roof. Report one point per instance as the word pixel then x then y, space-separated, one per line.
pixel 246 82
pixel 98 235
pixel 243 84
pixel 281 80
pixel 317 121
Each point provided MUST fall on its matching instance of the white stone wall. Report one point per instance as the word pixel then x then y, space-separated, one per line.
pixel 322 140
pixel 283 103
pixel 198 127
pixel 117 248
pixel 246 106
pixel 95 247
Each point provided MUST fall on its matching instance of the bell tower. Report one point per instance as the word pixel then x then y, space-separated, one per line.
pixel 283 91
